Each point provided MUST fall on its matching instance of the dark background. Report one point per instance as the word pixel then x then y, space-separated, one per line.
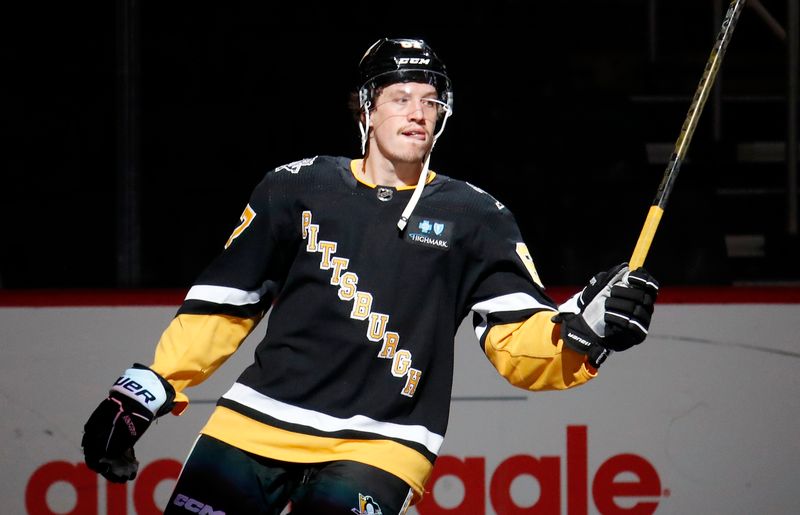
pixel 556 107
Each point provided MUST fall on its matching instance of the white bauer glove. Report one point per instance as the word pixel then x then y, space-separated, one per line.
pixel 134 401
pixel 612 313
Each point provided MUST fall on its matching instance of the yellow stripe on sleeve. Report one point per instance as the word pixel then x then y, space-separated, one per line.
pixel 531 355
pixel 193 346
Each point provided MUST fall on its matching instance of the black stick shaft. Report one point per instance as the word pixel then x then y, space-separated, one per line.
pixel 687 131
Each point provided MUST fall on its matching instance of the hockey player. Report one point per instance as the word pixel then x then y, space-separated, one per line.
pixel 369 265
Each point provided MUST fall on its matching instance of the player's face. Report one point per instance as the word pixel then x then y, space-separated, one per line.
pixel 403 121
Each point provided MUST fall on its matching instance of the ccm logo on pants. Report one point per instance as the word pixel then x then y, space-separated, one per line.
pixel 195 506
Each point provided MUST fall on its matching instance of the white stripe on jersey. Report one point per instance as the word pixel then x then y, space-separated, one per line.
pixel 225 295
pixel 511 302
pixel 306 417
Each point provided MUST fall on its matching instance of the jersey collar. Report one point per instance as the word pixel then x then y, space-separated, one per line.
pixel 357 164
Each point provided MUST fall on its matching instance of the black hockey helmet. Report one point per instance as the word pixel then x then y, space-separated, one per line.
pixel 389 61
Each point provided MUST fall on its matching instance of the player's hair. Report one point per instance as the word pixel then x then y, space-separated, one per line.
pixel 355 108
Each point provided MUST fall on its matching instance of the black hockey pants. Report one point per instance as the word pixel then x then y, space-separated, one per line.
pixel 221 479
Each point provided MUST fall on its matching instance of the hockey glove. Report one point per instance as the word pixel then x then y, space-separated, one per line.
pixel 582 317
pixel 629 310
pixel 611 314
pixel 136 398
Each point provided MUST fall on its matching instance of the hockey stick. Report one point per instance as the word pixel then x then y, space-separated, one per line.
pixel 685 137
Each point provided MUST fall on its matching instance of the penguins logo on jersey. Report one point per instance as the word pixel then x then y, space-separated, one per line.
pixel 297 165
pixel 367 506
pixel 430 232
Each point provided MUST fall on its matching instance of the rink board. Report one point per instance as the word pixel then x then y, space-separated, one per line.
pixel 702 418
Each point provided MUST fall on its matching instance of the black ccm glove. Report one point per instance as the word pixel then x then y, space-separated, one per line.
pixel 136 398
pixel 612 313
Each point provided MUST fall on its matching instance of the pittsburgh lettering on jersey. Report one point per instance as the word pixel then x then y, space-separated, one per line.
pixel 338 264
pixel 347 289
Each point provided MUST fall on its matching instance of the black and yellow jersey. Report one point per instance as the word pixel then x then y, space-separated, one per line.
pixel 357 361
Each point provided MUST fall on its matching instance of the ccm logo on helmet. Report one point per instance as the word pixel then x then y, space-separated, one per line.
pixel 195 506
pixel 412 60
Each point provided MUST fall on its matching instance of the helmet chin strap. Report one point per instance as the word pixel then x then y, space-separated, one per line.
pixel 412 203
pixel 363 127
pixel 423 177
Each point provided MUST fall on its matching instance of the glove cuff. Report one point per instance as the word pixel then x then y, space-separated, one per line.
pixel 577 336
pixel 147 388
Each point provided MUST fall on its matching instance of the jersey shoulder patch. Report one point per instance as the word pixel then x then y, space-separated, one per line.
pixel 295 166
pixel 499 205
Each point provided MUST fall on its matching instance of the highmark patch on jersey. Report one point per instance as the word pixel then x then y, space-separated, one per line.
pixel 429 232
